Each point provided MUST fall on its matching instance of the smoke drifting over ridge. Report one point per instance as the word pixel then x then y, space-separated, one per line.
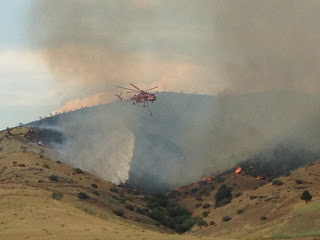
pixel 211 47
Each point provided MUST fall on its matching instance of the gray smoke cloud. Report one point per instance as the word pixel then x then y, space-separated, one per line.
pixel 259 59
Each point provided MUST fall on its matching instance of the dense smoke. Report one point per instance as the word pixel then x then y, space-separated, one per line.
pixel 259 59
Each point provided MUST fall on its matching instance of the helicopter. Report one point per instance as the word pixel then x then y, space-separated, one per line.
pixel 139 96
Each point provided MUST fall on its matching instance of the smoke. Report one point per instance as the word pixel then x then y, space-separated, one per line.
pixel 258 58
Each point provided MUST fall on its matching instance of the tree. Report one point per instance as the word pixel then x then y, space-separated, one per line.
pixel 306 196
pixel 223 196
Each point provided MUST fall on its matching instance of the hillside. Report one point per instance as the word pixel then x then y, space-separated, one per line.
pixel 259 209
pixel 188 136
pixel 30 174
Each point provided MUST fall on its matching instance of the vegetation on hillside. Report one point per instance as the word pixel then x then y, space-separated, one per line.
pixel 169 213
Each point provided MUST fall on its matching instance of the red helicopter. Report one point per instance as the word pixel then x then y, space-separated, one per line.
pixel 139 96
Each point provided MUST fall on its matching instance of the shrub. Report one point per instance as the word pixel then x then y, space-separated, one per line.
pixel 202 223
pixel 263 218
pixel 122 199
pixel 212 223
pixel 141 211
pixel 226 218
pixel 129 207
pixel 158 214
pixel 94 185
pixel 77 170
pixel 306 196
pixel 205 214
pixel 299 181
pixel 53 178
pixel 277 182
pixel 118 213
pixel 199 199
pixel 238 194
pixel 82 195
pixel 59 162
pixel 46 166
pixel 223 196
pixel 253 197
pixel 113 189
pixel 96 192
pixel 185 226
pixel 194 190
pixel 206 205
pixel 57 196
pixel 198 205
pixel 240 211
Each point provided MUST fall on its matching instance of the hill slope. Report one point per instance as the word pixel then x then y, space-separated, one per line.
pixel 28 208
pixel 188 136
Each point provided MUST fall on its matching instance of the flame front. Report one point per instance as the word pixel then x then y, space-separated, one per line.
pixel 238 170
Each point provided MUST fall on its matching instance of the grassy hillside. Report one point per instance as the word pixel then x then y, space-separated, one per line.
pixel 39 199
pixel 259 209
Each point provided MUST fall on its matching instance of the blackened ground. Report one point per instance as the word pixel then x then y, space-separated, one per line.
pixel 45 137
pixel 276 162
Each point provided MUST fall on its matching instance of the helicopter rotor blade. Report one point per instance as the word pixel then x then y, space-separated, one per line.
pixel 126 88
pixel 135 87
pixel 151 89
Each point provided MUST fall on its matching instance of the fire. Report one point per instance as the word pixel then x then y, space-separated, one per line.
pixel 259 177
pixel 204 179
pixel 238 170
pixel 90 101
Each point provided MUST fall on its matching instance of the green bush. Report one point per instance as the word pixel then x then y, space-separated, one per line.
pixel 185 226
pixel 299 181
pixel 212 223
pixel 223 196
pixel 226 218
pixel 240 211
pixel 53 178
pixel 306 196
pixel 198 205
pixel 129 207
pixel 82 195
pixel 202 223
pixel 96 192
pixel 158 214
pixel 238 194
pixel 253 197
pixel 205 214
pixel 141 211
pixel 113 189
pixel 94 185
pixel 206 205
pixel 46 166
pixel 57 196
pixel 77 170
pixel 199 199
pixel 118 212
pixel 263 218
pixel 277 182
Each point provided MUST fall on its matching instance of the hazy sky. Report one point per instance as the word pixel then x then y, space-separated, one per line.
pixel 72 53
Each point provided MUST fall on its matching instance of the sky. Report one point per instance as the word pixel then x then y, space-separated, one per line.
pixel 61 55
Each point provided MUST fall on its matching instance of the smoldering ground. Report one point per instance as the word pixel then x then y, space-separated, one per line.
pixel 259 59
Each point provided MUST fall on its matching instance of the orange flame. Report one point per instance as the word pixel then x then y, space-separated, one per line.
pixel 204 179
pixel 238 170
pixel 259 177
